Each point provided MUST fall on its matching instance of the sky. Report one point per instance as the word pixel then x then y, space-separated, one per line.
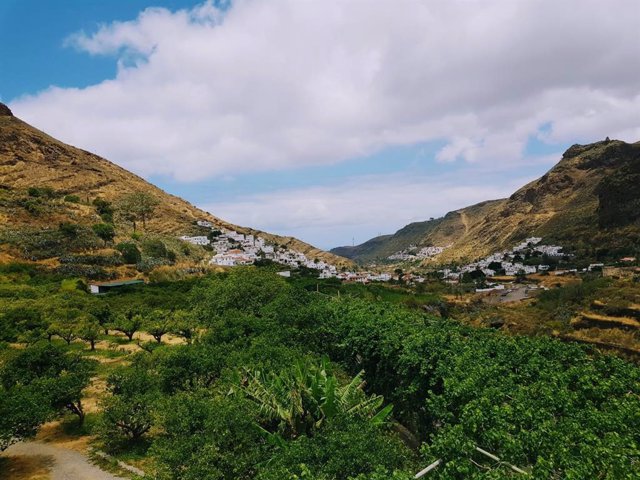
pixel 332 121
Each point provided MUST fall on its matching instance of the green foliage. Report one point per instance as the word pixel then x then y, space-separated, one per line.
pixel 251 397
pixel 40 244
pixel 72 198
pixel 520 398
pixel 154 248
pixel 69 229
pixel 129 252
pixel 44 192
pixel 89 330
pixel 47 380
pixel 243 289
pixel 208 438
pixel 103 207
pixel 34 206
pixel 128 324
pixel 137 207
pixel 104 231
pixel 73 284
pixel 22 411
pixel 158 323
pixel 128 413
pixel 302 399
pixel 345 448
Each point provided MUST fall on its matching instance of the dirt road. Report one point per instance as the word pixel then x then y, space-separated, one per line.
pixel 62 464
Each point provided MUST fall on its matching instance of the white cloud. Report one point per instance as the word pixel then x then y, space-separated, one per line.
pixel 363 207
pixel 285 83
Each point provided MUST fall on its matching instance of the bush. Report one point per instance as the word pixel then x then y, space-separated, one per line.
pixel 129 252
pixel 102 206
pixel 69 229
pixel 72 198
pixel 154 248
pixel 73 284
pixel 105 231
pixel 45 192
pixel 33 206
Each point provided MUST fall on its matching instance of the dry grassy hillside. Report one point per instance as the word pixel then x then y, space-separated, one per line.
pixel 562 206
pixel 589 203
pixel 30 158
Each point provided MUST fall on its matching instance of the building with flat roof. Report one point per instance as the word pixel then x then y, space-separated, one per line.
pixel 104 287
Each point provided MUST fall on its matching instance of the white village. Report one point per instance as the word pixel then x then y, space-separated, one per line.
pixel 233 249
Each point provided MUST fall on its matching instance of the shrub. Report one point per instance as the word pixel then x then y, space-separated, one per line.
pixel 46 192
pixel 69 229
pixel 105 231
pixel 154 248
pixel 102 206
pixel 129 252
pixel 73 284
pixel 72 198
pixel 33 206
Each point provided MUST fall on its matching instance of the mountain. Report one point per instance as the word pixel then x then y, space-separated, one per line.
pixel 45 183
pixel 589 203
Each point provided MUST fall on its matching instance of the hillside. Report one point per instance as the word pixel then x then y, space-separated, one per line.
pixel 589 203
pixel 70 179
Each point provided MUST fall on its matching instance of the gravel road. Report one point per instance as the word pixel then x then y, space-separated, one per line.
pixel 65 464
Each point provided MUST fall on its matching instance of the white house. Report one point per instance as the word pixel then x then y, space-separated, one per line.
pixel 198 240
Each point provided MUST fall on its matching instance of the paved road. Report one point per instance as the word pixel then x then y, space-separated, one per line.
pixel 65 464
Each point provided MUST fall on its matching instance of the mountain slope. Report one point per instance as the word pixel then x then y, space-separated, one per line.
pixel 589 203
pixel 30 158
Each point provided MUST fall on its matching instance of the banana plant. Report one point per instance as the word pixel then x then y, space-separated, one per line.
pixel 302 399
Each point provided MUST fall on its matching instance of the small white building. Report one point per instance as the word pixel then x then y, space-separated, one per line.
pixel 198 240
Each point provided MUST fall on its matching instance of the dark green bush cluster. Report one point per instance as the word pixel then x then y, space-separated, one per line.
pixel 105 209
pixel 42 192
pixel 130 252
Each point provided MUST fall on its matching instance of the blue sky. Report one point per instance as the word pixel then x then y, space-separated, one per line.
pixel 332 122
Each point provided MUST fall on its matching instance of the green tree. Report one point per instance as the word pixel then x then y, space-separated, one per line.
pixel 50 372
pixel 158 323
pixel 128 324
pixel 138 207
pixel 103 314
pixel 104 231
pixel 89 330
pixel 128 411
pixel 184 325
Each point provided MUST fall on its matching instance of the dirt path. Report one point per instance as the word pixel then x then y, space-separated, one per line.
pixel 465 221
pixel 61 463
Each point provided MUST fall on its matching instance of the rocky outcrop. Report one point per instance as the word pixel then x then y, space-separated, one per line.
pixel 5 111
